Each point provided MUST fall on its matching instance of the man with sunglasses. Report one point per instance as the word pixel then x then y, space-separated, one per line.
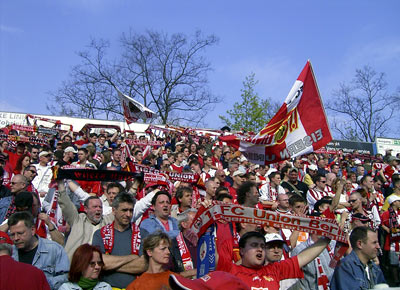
pixel 18 184
pixel 30 173
pixel 318 192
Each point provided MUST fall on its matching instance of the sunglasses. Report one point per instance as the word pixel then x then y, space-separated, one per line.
pixel 33 171
pixel 93 264
pixel 352 200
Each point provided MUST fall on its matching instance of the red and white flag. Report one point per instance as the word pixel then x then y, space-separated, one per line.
pixel 299 127
pixel 133 110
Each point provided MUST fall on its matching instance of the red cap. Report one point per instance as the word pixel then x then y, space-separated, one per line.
pixel 4 238
pixel 217 280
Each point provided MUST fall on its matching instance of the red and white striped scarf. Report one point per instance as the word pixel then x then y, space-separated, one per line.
pixel 107 235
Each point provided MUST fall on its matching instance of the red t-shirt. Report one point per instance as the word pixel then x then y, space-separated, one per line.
pixel 177 168
pixel 269 276
pixel 233 193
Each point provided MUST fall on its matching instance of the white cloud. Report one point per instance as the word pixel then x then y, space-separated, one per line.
pixel 10 29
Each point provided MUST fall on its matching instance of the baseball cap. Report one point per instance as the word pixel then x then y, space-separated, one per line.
pixel 313 167
pixel 392 158
pixel 70 149
pixel 217 280
pixel 391 199
pixel 293 169
pixel 273 237
pixel 180 143
pixel 239 172
pixel 357 162
pixel 44 153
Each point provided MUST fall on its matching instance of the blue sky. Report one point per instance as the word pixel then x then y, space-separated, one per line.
pixel 273 39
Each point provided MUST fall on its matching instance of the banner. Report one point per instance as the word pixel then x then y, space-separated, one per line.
pixel 239 214
pixel 299 127
pixel 351 146
pixel 93 175
pixel 23 128
pixel 31 140
pixel 143 143
pixel 174 176
pixel 133 110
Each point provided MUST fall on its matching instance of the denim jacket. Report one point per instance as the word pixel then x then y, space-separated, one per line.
pixel 351 274
pixel 151 225
pixel 51 258
pixel 4 205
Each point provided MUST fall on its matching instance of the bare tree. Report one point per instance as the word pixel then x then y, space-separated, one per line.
pixel 364 106
pixel 167 73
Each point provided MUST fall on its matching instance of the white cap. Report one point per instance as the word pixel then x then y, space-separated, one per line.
pixel 313 167
pixel 391 199
pixel 70 149
pixel 274 237
pixel 44 153
pixel 239 172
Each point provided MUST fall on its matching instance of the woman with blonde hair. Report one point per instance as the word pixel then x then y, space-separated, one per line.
pixel 156 252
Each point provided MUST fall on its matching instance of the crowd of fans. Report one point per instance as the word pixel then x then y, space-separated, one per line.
pixel 133 234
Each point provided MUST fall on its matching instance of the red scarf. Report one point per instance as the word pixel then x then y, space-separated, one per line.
pixel 107 234
pixel 41 228
pixel 394 226
pixel 185 254
pixel 323 280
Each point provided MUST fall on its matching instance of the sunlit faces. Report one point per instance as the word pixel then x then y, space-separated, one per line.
pixel 274 251
pixel 111 193
pixel 253 253
pixel 22 236
pixel 160 254
pixel 94 268
pixel 369 248
pixel 299 207
pixel 26 161
pixel 186 200
pixel 123 214
pixel 17 184
pixel 94 210
pixel 162 207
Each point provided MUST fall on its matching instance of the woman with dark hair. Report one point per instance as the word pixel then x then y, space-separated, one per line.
pixel 23 162
pixel 86 265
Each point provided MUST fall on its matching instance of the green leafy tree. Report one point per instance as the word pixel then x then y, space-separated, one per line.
pixel 252 113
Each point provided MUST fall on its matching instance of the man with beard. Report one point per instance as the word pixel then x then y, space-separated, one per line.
pixel 83 225
pixel 293 185
pixel 120 241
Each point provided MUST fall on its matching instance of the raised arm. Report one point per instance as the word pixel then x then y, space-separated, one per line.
pixel 312 252
pixel 69 210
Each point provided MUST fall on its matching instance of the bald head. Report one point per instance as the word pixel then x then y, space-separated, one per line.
pixel 18 183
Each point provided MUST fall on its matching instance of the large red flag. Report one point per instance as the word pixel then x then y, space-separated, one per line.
pixel 299 127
